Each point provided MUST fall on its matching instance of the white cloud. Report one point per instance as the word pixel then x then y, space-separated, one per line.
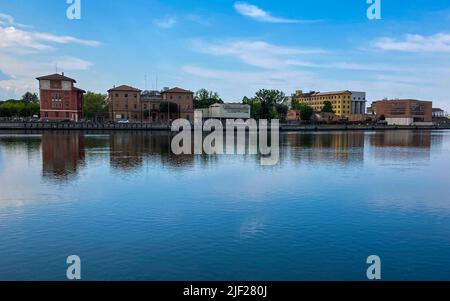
pixel 22 72
pixel 258 14
pixel 22 40
pixel 416 43
pixel 167 22
pixel 7 20
pixel 257 53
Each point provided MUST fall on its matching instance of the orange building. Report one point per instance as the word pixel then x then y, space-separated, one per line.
pixel 404 111
pixel 59 98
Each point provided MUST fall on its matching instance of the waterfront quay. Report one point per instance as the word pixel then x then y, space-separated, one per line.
pixel 166 127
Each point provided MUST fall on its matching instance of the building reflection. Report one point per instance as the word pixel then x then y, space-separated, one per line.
pixel 402 145
pixel 419 139
pixel 129 150
pixel 63 154
pixel 336 147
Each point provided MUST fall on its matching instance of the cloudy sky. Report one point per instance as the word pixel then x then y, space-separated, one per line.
pixel 232 47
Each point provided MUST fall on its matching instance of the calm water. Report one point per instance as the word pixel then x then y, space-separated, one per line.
pixel 131 210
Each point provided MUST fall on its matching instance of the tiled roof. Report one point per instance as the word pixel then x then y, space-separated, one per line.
pixel 56 76
pixel 177 90
pixel 124 88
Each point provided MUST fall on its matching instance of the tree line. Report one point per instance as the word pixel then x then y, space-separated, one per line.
pixel 26 106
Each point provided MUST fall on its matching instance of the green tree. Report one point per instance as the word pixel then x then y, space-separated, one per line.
pixel 30 97
pixel 94 104
pixel 268 99
pixel 282 110
pixel 255 107
pixel 306 112
pixel 327 107
pixel 203 99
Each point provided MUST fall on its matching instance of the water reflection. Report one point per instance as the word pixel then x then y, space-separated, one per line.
pixel 64 153
pixel 337 147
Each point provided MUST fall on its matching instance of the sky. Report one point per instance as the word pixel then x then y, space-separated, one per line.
pixel 232 47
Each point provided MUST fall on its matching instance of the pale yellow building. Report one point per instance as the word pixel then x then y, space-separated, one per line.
pixel 341 101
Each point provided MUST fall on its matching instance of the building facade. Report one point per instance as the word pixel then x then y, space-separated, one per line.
pixel 226 111
pixel 344 102
pixel 179 103
pixel 151 104
pixel 438 113
pixel 404 111
pixel 358 103
pixel 59 98
pixel 124 104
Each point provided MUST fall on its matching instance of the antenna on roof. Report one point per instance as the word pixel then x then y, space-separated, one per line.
pixel 56 67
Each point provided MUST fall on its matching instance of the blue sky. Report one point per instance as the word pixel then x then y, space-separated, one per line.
pixel 232 47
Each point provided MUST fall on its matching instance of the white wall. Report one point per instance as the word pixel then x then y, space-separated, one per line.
pixel 400 121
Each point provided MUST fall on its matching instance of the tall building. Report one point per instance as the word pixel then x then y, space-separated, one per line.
pixel 358 102
pixel 403 111
pixel 125 104
pixel 59 98
pixel 344 102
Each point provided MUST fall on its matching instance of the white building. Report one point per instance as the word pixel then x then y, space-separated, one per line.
pixel 358 102
pixel 226 111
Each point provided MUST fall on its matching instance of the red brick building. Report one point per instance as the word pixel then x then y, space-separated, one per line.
pixel 59 98
pixel 404 111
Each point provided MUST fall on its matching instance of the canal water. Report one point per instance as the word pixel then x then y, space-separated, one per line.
pixel 131 210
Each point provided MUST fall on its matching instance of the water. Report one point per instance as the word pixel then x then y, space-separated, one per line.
pixel 133 211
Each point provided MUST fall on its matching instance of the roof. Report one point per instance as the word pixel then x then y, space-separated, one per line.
pixel 78 89
pixel 401 100
pixel 56 76
pixel 437 110
pixel 177 90
pixel 124 88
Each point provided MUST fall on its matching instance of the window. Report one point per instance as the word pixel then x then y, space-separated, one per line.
pixel 67 115
pixel 46 114
pixel 117 94
pixel 126 95
pixel 56 114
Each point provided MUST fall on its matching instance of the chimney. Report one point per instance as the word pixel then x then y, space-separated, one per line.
pixel 63 74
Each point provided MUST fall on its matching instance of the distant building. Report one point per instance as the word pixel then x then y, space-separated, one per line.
pixel 344 102
pixel 151 102
pixel 226 111
pixel 59 98
pixel 358 103
pixel 293 115
pixel 404 111
pixel 125 104
pixel 184 104
pixel 438 113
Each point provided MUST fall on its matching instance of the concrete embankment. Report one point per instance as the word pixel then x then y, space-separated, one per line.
pixel 160 127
